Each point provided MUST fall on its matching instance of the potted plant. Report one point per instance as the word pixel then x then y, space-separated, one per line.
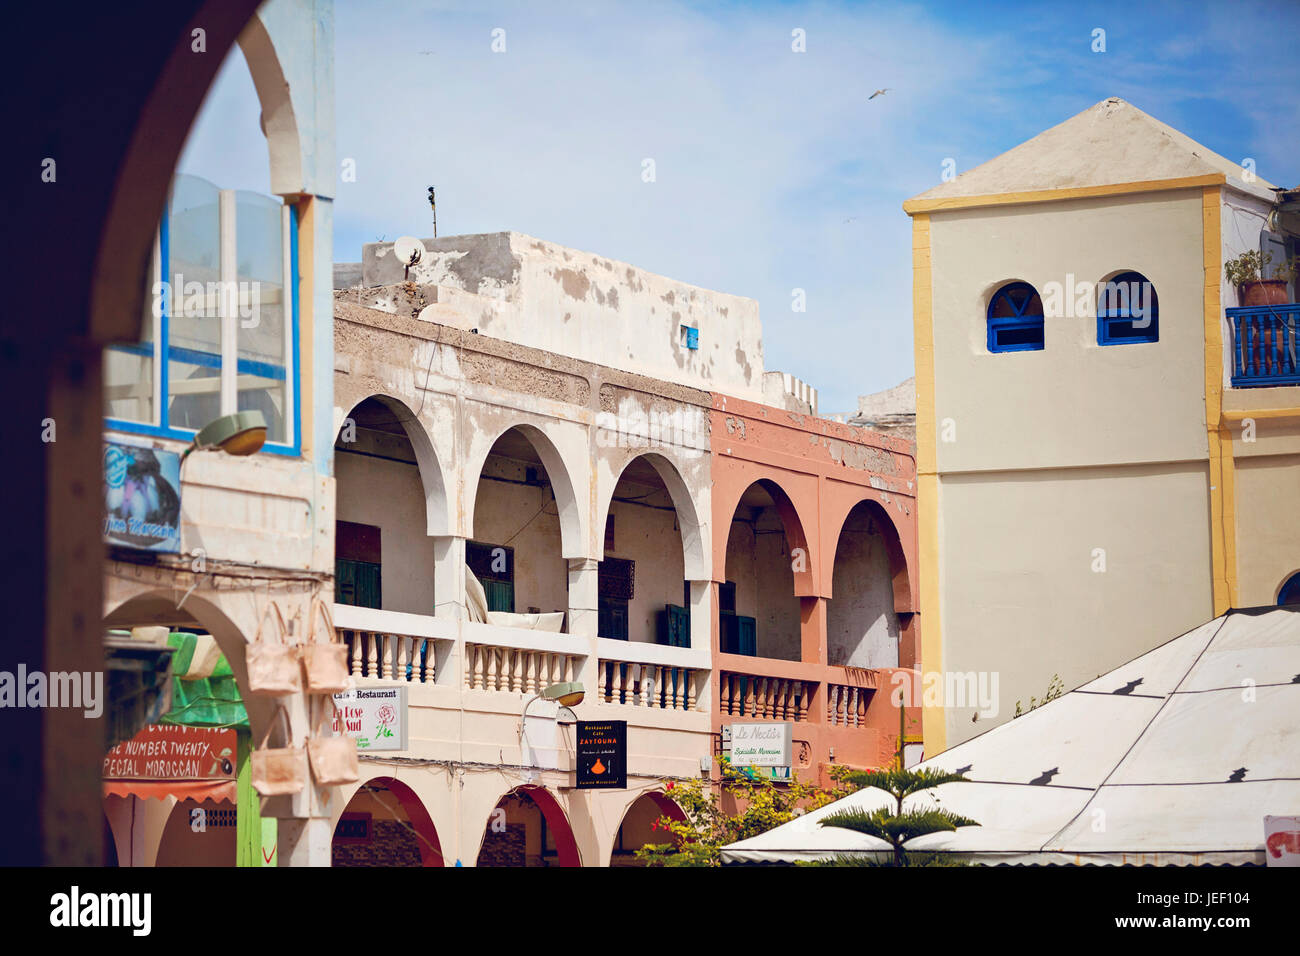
pixel 1245 272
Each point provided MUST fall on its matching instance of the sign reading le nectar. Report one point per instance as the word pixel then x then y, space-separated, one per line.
pixel 762 745
pixel 142 495
pixel 602 755
pixel 374 716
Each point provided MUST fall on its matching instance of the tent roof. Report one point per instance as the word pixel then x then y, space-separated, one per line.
pixel 1110 143
pixel 1174 757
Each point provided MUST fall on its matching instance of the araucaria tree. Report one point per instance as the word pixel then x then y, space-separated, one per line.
pixel 895 825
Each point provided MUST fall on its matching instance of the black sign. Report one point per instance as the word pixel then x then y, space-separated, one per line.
pixel 602 755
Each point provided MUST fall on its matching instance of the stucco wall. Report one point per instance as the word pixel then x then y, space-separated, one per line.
pixel 1020 596
pixel 861 626
pixel 1268 521
pixel 1074 403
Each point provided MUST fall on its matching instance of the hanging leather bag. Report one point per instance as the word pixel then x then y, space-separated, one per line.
pixel 324 659
pixel 333 759
pixel 273 668
pixel 278 771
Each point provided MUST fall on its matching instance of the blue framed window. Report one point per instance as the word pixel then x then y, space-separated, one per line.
pixel 1015 319
pixel 1290 593
pixel 224 298
pixel 1128 310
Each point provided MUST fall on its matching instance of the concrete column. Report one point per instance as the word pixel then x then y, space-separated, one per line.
pixel 583 614
pixel 304 842
pixel 812 630
pixel 449 578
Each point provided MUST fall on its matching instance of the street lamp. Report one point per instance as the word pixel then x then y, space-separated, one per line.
pixel 241 434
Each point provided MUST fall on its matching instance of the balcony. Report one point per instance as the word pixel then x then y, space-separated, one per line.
pixel 1265 345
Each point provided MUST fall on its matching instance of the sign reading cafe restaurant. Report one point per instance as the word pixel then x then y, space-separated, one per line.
pixel 374 716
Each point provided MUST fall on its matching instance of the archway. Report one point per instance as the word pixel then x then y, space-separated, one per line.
pixel 650 535
pixel 528 828
pixel 640 826
pixel 524 520
pixel 389 494
pixel 759 612
pixel 199 834
pixel 385 824
pixel 862 626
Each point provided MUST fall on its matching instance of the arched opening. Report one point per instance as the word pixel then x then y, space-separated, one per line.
pixel 642 825
pixel 643 593
pixel 383 554
pixel 523 512
pixel 385 824
pixel 759 613
pixel 528 828
pixel 862 627
pixel 1289 593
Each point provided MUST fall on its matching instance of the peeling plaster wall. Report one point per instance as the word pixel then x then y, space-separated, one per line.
pixel 861 626
pixel 647 536
pixel 520 289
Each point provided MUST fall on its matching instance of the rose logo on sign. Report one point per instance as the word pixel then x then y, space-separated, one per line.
pixel 385 717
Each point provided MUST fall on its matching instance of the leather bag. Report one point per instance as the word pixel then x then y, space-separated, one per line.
pixel 324 662
pixel 333 759
pixel 273 668
pixel 278 771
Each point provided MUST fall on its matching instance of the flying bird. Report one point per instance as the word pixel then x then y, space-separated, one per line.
pixel 880 93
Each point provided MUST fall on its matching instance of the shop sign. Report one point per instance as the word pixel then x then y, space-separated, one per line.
pixel 168 752
pixel 375 716
pixel 142 495
pixel 762 745
pixel 602 755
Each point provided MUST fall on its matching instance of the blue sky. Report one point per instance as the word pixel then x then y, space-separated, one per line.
pixel 773 169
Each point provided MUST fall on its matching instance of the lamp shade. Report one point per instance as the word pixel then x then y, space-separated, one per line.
pixel 242 433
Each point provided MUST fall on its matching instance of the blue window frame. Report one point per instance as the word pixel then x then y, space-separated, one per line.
pixel 1015 319
pixel 1128 310
pixel 1290 593
pixel 173 416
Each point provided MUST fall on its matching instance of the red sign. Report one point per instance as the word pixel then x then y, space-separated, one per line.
pixel 165 752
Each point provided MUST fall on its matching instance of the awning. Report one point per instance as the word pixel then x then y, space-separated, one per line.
pixel 217 791
pixel 1174 758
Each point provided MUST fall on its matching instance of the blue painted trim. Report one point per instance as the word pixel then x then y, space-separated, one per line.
pixel 297 332
pixel 1265 345
pixel 1021 320
pixel 164 326
pixel 1108 320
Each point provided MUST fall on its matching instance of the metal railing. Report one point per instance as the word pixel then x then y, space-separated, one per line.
pixel 1265 345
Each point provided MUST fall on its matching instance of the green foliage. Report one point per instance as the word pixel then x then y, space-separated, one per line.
pixel 698 840
pixel 895 825
pixel 1055 688
pixel 1251 265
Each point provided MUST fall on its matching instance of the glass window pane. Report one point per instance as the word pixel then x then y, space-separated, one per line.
pixel 263 310
pixel 128 383
pixel 194 323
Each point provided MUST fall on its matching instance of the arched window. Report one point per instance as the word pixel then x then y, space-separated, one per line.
pixel 1290 593
pixel 1015 319
pixel 1127 310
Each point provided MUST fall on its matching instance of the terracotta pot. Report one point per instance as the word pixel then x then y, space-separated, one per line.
pixel 1263 292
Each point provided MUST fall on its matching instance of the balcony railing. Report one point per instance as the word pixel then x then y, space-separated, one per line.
pixel 1265 345
pixel 515 669
pixel 753 695
pixel 641 684
pixel 391 645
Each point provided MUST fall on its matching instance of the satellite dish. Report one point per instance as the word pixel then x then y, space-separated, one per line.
pixel 408 250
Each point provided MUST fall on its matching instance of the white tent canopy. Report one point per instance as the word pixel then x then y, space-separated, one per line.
pixel 1174 758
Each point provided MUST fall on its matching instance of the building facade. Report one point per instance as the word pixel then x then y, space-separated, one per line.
pixel 239 317
pixel 555 467
pixel 1107 455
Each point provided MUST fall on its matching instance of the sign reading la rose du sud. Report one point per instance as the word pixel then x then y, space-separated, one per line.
pixel 142 497
pixel 602 755
pixel 762 745
pixel 375 716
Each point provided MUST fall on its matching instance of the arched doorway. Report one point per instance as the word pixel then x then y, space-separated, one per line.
pixel 523 517
pixel 641 826
pixel 528 828
pixel 385 824
pixel 759 613
pixel 862 627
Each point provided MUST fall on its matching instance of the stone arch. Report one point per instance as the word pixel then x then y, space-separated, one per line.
pixel 566 843
pixel 426 834
pixel 805 581
pixel 437 504
pixel 665 805
pixel 279 122
pixel 900 568
pixel 573 540
pixel 694 533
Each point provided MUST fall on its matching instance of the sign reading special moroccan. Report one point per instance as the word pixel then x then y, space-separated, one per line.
pixel 142 492
pixel 602 755
pixel 375 716
pixel 167 752
pixel 762 745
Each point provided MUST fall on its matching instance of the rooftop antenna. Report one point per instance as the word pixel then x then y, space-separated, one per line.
pixel 433 204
